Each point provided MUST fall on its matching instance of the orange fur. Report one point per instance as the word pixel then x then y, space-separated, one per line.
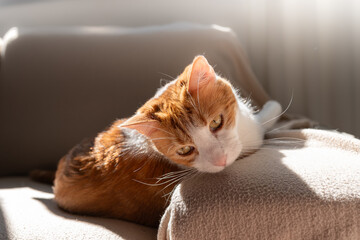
pixel 93 179
pixel 103 176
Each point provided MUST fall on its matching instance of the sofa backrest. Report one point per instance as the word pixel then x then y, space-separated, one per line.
pixel 61 85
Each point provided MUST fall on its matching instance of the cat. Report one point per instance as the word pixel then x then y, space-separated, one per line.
pixel 195 123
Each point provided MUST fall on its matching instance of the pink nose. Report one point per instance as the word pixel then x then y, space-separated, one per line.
pixel 220 161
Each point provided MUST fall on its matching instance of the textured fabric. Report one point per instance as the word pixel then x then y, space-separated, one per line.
pixel 29 212
pixel 289 189
pixel 76 81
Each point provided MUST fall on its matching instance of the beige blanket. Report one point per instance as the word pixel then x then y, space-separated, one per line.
pixel 302 184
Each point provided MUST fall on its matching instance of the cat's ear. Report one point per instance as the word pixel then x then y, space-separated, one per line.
pixel 143 125
pixel 201 74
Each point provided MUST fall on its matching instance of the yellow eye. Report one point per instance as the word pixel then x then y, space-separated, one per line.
pixel 216 123
pixel 187 150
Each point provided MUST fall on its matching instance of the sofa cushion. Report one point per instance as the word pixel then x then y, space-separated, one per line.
pixel 27 211
pixel 302 184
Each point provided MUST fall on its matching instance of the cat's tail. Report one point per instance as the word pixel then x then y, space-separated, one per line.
pixel 43 176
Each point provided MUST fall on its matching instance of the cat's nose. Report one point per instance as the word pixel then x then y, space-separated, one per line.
pixel 221 162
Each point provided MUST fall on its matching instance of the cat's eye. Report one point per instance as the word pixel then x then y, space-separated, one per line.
pixel 184 151
pixel 216 123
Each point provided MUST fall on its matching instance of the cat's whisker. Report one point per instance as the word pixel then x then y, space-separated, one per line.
pixel 164 178
pixel 173 181
pixel 167 75
pixel 178 179
pixel 168 144
pixel 160 129
pixel 163 82
pixel 179 175
pixel 138 169
pixel 148 184
pixel 171 177
pixel 253 150
pixel 188 171
pixel 198 91
pixel 146 162
pixel 193 103
pixel 171 146
pixel 280 128
pixel 172 174
pixel 153 184
pixel 285 140
pixel 194 174
pixel 176 172
pixel 169 194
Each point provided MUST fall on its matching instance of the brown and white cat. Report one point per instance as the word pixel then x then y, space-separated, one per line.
pixel 197 122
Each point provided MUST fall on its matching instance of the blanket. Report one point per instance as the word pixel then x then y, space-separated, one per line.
pixel 301 184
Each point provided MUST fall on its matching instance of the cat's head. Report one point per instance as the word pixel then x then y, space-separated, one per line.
pixel 194 120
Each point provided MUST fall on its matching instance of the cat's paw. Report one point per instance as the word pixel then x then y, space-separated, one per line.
pixel 269 114
pixel 273 107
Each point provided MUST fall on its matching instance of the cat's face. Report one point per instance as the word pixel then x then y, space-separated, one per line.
pixel 194 120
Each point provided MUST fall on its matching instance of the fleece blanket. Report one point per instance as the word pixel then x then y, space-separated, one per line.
pixel 302 184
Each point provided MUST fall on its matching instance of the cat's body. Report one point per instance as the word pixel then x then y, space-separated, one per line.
pixel 195 122
pixel 104 180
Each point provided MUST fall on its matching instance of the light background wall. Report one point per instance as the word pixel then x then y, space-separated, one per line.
pixel 308 49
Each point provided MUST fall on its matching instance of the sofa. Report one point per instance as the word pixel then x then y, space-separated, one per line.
pixel 60 85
